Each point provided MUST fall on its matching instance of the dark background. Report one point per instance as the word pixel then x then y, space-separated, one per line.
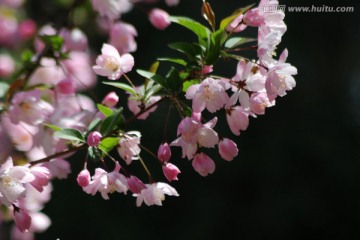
pixel 297 172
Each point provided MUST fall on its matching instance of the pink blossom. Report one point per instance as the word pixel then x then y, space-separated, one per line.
pixel 111 8
pixel 42 177
pixel 110 64
pixel 203 164
pixel 159 18
pixel 280 78
pixel 110 100
pixel 74 39
pixel 210 94
pixel 22 219
pixel 65 86
pixel 188 150
pixel 59 168
pixel 128 146
pixel 7 65
pixel 237 24
pixel 122 37
pixel 227 149
pixel 27 29
pixel 206 69
pixel 164 152
pixel 170 171
pixel 237 119
pixel 154 194
pixel 94 139
pixel 172 3
pixel 134 106
pixel 254 17
pixel 8 26
pixel 259 101
pixel 12 3
pixel 106 183
pixel 83 178
pixel 135 185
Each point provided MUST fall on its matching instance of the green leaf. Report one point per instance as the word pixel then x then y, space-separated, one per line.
pixel 155 77
pixel 122 86
pixel 111 122
pixel 94 154
pixel 105 110
pixel 70 134
pixel 188 49
pixel 226 21
pixel 237 41
pixel 173 79
pixel 55 41
pixel 151 91
pixel 213 52
pixel 53 127
pixel 173 60
pixel 200 30
pixel 26 56
pixel 94 123
pixel 107 144
pixel 189 83
pixel 4 87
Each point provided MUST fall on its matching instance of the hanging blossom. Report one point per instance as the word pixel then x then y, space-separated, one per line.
pixel 111 65
pixel 154 194
pixel 128 147
pixel 111 8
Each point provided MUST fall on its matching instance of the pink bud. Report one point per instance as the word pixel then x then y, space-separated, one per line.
pixel 164 152
pixel 111 99
pixel 27 29
pixel 22 219
pixel 94 139
pixel 42 177
pixel 170 171
pixel 65 86
pixel 236 25
pixel 159 18
pixel 203 164
pixel 207 69
pixel 7 65
pixel 227 149
pixel 83 178
pixel 135 185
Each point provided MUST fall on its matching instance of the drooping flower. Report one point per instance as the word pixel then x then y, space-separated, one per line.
pixel 154 194
pixel 170 171
pixel 237 119
pixel 110 64
pixel 83 178
pixel 128 146
pixel 135 184
pixel 228 149
pixel 164 152
pixel 203 164
pixel 111 8
pixel 22 219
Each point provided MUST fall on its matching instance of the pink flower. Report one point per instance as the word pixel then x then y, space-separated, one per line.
pixel 134 106
pixel 74 39
pixel 210 94
pixel 83 178
pixel 203 164
pixel 159 18
pixel 170 171
pixel 172 3
pixel 65 86
pixel 59 168
pixel 164 152
pixel 227 149
pixel 135 185
pixel 94 139
pixel 42 177
pixel 206 69
pixel 236 25
pixel 260 101
pixel 254 17
pixel 27 29
pixel 154 194
pixel 122 37
pixel 128 147
pixel 7 65
pixel 110 64
pixel 106 183
pixel 237 119
pixel 110 100
pixel 111 8
pixel 22 219
pixel 280 78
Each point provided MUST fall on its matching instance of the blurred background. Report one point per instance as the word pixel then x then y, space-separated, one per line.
pixel 297 174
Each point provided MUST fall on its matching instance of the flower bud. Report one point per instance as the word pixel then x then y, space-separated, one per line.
pixel 159 18
pixel 65 86
pixel 7 65
pixel 135 185
pixel 227 149
pixel 164 152
pixel 170 171
pixel 111 99
pixel 22 219
pixel 94 139
pixel 83 178
pixel 27 29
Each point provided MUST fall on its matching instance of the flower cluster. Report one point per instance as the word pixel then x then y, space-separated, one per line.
pixel 46 114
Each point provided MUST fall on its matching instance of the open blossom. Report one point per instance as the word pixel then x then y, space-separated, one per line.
pixel 106 183
pixel 154 194
pixel 42 177
pixel 237 119
pixel 237 24
pixel 203 164
pixel 280 78
pixel 259 101
pixel 210 94
pixel 128 146
pixel 111 8
pixel 227 149
pixel 159 18
pixel 110 64
pixel 122 37
pixel 74 39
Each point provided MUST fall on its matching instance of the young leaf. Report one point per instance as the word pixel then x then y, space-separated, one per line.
pixel 151 91
pixel 226 21
pixel 186 48
pixel 189 83
pixel 155 77
pixel 237 41
pixel 107 144
pixel 105 110
pixel 122 86
pixel 208 14
pixel 173 79
pixel 111 122
pixel 173 60
pixel 70 134
pixel 94 124
pixel 53 127
pixel 94 154
pixel 55 41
